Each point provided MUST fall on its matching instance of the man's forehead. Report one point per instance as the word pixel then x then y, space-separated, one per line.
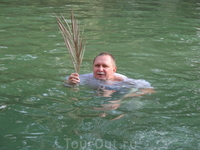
pixel 105 58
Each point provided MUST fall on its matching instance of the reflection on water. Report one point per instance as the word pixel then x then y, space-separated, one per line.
pixel 153 40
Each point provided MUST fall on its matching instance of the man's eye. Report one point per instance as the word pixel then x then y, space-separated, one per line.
pixel 105 66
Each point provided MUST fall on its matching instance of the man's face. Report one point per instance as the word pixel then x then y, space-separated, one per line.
pixel 104 68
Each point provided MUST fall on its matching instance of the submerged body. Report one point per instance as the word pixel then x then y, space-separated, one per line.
pixel 125 85
pixel 105 78
pixel 106 82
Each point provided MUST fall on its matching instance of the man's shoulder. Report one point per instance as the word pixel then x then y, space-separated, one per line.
pixel 141 84
pixel 120 75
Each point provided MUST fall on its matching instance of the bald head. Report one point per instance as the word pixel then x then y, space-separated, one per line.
pixel 106 54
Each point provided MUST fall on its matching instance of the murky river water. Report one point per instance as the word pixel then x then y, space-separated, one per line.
pixel 153 40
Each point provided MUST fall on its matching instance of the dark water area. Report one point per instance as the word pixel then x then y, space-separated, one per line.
pixel 153 40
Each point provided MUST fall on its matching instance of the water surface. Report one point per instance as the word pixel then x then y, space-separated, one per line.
pixel 153 40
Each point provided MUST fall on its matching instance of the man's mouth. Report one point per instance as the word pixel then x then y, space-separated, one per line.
pixel 100 73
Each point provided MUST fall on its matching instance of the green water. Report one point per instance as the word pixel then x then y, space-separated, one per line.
pixel 153 40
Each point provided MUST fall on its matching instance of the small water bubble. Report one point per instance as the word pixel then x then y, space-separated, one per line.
pixel 60 117
pixel 45 94
pixel 24 112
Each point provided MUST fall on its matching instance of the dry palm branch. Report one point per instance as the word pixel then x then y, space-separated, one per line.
pixel 73 40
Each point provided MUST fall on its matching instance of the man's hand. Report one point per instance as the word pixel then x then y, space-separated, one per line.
pixel 73 79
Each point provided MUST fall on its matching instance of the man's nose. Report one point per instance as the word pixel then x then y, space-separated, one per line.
pixel 100 68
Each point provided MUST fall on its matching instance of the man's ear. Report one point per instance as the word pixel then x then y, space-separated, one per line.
pixel 114 69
